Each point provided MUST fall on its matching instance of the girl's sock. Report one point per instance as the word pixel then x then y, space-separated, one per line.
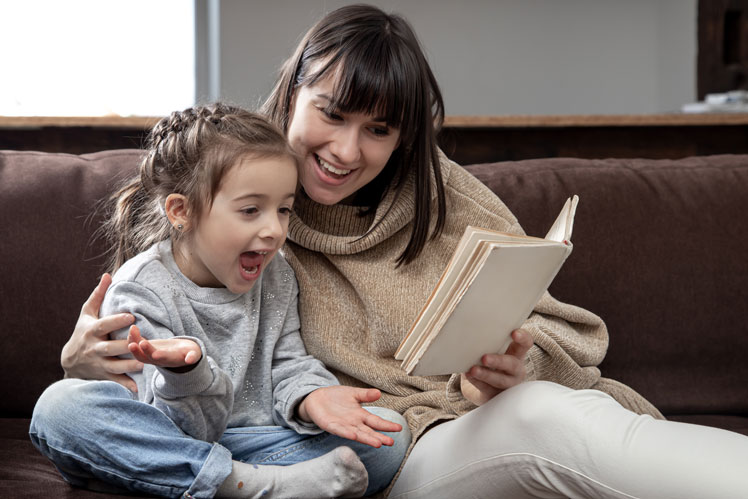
pixel 339 473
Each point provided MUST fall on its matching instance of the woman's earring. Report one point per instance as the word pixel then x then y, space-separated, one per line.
pixel 180 227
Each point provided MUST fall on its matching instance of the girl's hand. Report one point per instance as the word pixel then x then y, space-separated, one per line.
pixel 497 372
pixel 89 354
pixel 337 410
pixel 170 353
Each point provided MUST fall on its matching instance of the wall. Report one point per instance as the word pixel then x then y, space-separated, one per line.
pixel 491 57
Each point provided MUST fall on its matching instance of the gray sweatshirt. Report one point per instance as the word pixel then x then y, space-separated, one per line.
pixel 254 369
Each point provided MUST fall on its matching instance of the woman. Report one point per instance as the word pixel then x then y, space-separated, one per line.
pixel 380 214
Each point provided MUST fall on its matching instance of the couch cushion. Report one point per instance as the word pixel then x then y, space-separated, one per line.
pixel 661 253
pixel 49 262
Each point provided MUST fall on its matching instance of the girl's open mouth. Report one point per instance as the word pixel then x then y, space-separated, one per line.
pixel 251 262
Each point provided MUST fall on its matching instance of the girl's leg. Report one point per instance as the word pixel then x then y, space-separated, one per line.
pixel 540 439
pixel 295 458
pixel 97 431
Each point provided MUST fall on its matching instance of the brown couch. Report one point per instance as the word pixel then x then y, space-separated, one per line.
pixel 661 252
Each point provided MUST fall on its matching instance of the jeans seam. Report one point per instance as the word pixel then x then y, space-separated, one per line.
pixel 291 449
pixel 104 469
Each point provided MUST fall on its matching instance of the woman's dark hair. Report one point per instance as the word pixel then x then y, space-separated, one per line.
pixel 188 153
pixel 380 69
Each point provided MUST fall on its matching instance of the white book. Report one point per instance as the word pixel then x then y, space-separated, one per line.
pixel 489 288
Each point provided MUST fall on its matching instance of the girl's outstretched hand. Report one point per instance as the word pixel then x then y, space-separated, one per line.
pixel 171 353
pixel 89 353
pixel 498 371
pixel 337 410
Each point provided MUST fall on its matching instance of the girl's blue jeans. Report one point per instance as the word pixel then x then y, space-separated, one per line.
pixel 97 432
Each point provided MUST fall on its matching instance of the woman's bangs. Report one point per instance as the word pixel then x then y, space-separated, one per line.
pixel 369 83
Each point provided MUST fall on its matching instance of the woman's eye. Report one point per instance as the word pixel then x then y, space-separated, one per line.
pixel 250 210
pixel 381 131
pixel 285 211
pixel 332 115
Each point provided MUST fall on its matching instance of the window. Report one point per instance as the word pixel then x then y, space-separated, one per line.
pixel 96 57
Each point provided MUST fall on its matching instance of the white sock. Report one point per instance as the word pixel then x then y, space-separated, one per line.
pixel 339 473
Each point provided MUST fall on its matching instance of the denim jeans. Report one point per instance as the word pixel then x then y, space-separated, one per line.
pixel 97 432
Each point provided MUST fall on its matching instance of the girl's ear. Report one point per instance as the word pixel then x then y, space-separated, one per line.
pixel 177 211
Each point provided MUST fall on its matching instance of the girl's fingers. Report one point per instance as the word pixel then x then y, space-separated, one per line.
pixel 148 349
pixel 380 424
pixel 191 357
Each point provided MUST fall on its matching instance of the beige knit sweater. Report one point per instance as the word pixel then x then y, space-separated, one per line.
pixel 356 305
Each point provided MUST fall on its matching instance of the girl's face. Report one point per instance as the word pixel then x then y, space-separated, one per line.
pixel 240 233
pixel 341 152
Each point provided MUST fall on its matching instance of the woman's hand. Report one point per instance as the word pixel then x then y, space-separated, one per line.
pixel 168 352
pixel 337 410
pixel 89 353
pixel 498 372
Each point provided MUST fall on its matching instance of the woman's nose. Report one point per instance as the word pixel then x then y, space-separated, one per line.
pixel 345 145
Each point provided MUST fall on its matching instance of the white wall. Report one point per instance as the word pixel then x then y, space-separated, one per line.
pixel 495 57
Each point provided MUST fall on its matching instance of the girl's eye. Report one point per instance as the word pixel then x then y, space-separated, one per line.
pixel 285 210
pixel 251 210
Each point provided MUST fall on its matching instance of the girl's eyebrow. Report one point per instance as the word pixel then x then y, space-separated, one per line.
pixel 259 196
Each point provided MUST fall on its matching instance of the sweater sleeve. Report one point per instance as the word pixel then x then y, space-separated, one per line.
pixel 295 373
pixel 198 401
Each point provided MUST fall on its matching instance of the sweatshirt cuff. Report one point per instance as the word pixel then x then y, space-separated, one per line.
pixel 171 385
pixel 290 415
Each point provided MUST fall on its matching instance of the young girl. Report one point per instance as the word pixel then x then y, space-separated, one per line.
pixel 227 392
pixel 379 216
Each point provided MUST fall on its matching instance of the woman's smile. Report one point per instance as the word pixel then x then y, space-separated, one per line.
pixel 330 169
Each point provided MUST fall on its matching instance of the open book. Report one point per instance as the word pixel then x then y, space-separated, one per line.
pixel 489 288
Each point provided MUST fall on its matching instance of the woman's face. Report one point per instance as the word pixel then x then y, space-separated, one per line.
pixel 341 152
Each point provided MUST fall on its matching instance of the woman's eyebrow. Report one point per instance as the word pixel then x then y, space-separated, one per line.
pixel 328 98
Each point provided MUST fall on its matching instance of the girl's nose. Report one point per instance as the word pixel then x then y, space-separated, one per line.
pixel 273 228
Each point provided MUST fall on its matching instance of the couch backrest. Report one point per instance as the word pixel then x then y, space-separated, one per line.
pixel 660 253
pixel 49 262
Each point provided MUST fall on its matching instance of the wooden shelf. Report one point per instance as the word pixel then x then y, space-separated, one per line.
pixel 529 121
pixel 603 120
pixel 133 122
pixel 466 139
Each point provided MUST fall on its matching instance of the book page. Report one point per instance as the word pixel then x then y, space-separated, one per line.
pixel 461 269
pixel 490 311
pixel 561 229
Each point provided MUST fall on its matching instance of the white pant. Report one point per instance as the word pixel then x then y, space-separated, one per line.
pixel 540 439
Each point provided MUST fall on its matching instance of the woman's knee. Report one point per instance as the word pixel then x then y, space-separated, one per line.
pixel 539 407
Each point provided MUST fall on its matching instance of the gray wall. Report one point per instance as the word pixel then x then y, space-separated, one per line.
pixel 498 57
